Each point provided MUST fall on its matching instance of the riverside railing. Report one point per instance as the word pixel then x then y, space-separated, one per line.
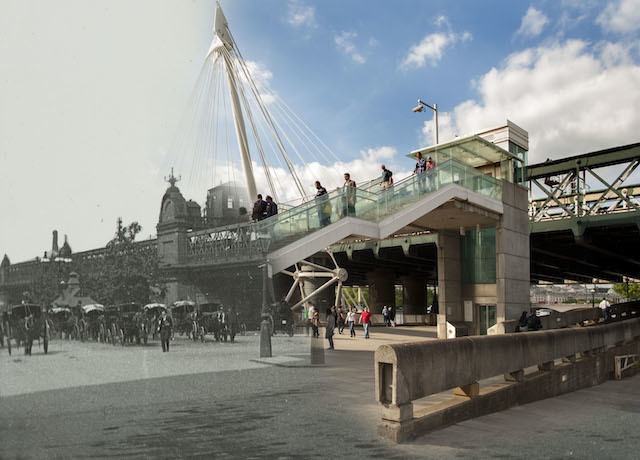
pixel 253 238
pixel 407 372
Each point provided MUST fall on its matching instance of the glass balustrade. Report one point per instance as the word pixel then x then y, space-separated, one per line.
pixel 367 203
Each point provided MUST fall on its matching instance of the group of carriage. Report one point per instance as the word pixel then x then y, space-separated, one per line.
pixel 117 325
pixel 196 321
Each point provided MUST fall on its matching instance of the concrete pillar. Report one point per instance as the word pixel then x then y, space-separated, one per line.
pixel 449 281
pixel 415 295
pixel 512 254
pixel 382 290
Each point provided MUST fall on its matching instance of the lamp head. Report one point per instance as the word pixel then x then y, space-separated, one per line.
pixel 418 108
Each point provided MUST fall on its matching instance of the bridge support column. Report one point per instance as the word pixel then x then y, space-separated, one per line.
pixel 382 290
pixel 512 254
pixel 449 281
pixel 415 295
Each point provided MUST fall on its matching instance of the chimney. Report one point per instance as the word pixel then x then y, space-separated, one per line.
pixel 54 245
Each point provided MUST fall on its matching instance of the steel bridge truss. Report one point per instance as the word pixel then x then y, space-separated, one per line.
pixel 565 189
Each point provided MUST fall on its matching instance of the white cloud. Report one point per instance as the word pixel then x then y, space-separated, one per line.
pixel 532 23
pixel 431 49
pixel 259 70
pixel 344 42
pixel 301 15
pixel 621 16
pixel 571 97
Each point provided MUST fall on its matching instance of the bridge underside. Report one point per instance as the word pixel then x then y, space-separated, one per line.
pixel 607 253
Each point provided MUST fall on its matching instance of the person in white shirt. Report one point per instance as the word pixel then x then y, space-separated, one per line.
pixel 605 306
pixel 351 321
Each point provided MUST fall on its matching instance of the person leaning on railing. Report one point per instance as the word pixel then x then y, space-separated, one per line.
pixel 419 170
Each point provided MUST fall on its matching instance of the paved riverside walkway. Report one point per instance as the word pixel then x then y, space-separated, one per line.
pixel 597 422
pixel 218 400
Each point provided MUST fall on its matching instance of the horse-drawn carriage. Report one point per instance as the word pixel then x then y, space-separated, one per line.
pixel 209 321
pixel 58 316
pixel 93 316
pixel 111 316
pixel 185 318
pixel 25 323
pixel 133 323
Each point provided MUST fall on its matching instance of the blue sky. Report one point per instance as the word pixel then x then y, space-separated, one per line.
pixel 92 92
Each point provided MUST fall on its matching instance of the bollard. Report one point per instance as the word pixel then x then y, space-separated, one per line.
pixel 265 339
pixel 317 351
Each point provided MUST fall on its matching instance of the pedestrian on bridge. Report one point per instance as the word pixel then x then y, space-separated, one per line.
pixel 323 205
pixel 259 209
pixel 419 170
pixel 271 208
pixel 349 195
pixel 387 178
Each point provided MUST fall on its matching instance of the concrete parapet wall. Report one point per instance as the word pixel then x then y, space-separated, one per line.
pixel 557 320
pixel 410 371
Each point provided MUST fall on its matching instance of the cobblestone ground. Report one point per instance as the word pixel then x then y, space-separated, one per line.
pixel 213 399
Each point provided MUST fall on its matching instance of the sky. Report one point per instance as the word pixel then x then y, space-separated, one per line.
pixel 92 93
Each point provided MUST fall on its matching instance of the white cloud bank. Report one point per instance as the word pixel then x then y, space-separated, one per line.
pixel 621 16
pixel 532 23
pixel 431 49
pixel 572 97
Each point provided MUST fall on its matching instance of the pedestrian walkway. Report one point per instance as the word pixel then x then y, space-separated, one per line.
pixel 589 423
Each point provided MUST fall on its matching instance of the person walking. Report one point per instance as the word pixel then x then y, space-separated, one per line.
pixel 365 320
pixel 306 318
pixel 387 178
pixel 323 205
pixel 605 306
pixel 350 195
pixel 392 316
pixel 351 322
pixel 339 319
pixel 385 315
pixel 315 321
pixel 165 324
pixel 331 324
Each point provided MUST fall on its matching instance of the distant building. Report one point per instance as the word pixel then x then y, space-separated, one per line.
pixel 227 204
pixel 72 295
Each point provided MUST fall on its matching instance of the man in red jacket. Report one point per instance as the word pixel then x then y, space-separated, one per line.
pixel 365 320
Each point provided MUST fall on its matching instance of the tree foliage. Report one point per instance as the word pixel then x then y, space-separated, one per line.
pixel 634 291
pixel 126 272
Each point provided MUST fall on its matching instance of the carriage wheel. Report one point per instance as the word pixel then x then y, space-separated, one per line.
pixel 194 331
pixel 243 329
pixel 202 332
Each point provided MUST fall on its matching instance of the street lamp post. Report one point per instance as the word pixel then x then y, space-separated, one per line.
pixel 420 108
